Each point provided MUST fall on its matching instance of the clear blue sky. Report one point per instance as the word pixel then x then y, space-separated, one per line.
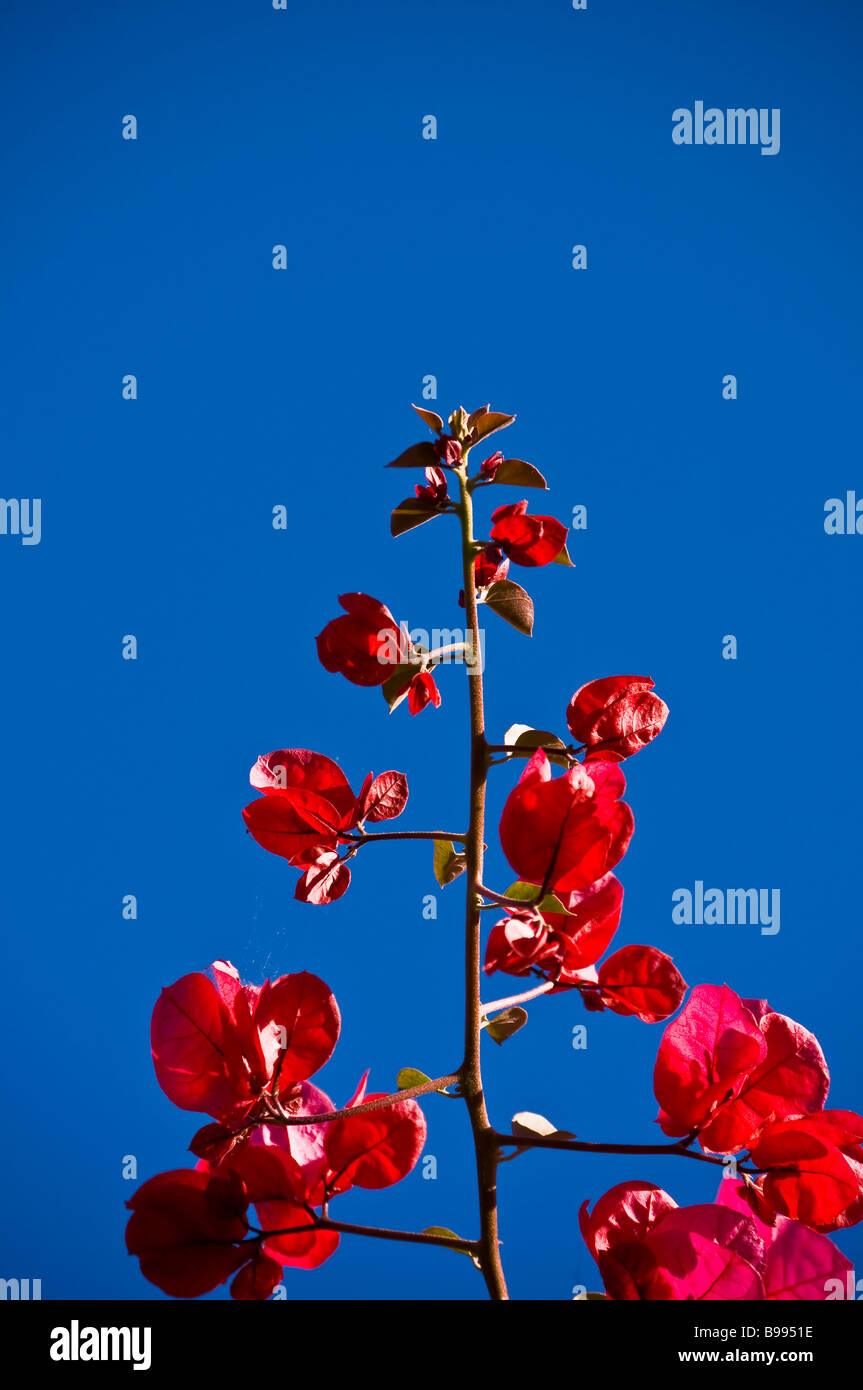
pixel 258 388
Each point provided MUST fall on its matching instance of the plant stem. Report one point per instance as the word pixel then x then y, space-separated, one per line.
pixel 514 999
pixel 470 1247
pixel 365 839
pixel 582 1146
pixel 487 1152
pixel 381 1103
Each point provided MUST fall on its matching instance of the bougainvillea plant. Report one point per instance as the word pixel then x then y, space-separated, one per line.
pixel 739 1086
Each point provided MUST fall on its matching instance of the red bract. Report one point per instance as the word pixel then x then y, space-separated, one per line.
pixel 301 769
pixel 434 492
pixel 592 917
pixel 488 468
pixel 422 691
pixel 281 1194
pixel 448 450
pixel 375 1149
pixel 521 943
pixel 727 1066
pixel 798 1263
pixel 566 832
pixel 815 1165
pixel 490 566
pixel 365 644
pixel 558 944
pixel 648 1248
pixel 639 980
pixel 190 1229
pixel 326 877
pixel 218 1047
pixel 616 715
pixel 307 810
pixel 293 823
pixel 528 540
pixel 187 1242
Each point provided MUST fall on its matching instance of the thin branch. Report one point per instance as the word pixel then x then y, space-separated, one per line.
pixel 381 1103
pixel 514 999
pixel 509 902
pixel 582 1146
pixel 470 1247
pixel 365 839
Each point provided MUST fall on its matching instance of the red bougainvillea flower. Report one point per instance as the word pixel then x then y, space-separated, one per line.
pixel 374 1150
pixel 448 450
pixel 585 932
pixel 488 468
pixel 191 1231
pixel 638 980
pixel 489 566
pixel 815 1168
pixel 365 644
pixel 649 1248
pixel 187 1242
pixel 434 491
pixel 558 945
pixel 566 832
pixel 616 715
pixel 423 691
pixel 798 1263
pixel 727 1066
pixel 308 809
pixel 217 1047
pixel 528 540
pixel 522 943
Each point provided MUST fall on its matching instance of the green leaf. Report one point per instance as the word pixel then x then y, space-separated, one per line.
pixel 445 1231
pixel 448 864
pixel 563 558
pixel 526 892
pixel 512 603
pixel 410 513
pixel 429 417
pixel 408 1077
pixel 517 473
pixel 503 1025
pixel 417 456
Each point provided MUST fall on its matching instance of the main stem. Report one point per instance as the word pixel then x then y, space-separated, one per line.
pixel 485 1143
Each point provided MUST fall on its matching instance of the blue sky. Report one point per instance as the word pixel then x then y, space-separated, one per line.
pixel 256 388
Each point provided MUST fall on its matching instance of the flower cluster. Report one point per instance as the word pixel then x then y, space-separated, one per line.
pixel 563 835
pixel 244 1055
pixel 308 810
pixel 739 1076
pixel 649 1248
pixel 741 1080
